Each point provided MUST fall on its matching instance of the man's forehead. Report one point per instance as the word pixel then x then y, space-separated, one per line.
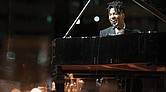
pixel 112 10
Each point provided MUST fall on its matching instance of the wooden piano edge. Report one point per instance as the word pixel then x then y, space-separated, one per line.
pixel 123 70
pixel 116 67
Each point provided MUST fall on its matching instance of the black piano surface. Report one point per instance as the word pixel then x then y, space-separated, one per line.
pixel 128 48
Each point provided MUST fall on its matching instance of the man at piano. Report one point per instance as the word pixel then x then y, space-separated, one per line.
pixel 116 16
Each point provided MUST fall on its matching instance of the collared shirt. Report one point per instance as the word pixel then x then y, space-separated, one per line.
pixel 118 32
pixel 121 31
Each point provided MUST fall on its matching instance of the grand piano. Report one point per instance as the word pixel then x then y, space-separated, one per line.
pixel 128 48
pixel 137 54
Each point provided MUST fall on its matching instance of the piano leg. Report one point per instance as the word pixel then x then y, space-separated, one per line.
pixel 59 79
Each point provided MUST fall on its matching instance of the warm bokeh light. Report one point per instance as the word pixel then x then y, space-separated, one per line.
pixel 35 90
pixel 15 90
pixel 53 86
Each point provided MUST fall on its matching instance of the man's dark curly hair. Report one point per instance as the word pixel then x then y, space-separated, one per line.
pixel 117 5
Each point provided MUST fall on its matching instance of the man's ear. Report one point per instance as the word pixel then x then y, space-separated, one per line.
pixel 123 15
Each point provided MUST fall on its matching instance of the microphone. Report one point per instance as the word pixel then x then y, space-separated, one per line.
pixel 72 26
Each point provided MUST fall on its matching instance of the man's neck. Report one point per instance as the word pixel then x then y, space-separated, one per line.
pixel 123 26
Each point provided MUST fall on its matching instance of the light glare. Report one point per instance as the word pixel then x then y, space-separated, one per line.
pixel 96 18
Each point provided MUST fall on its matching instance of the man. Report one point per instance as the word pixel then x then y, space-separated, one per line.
pixel 116 17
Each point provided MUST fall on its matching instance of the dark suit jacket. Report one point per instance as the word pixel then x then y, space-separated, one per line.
pixel 110 31
pixel 136 84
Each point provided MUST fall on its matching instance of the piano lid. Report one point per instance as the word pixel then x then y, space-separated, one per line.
pixel 156 7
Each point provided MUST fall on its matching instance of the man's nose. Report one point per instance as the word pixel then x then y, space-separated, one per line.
pixel 112 17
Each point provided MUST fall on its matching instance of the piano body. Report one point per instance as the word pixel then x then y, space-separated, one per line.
pixel 138 55
pixel 128 48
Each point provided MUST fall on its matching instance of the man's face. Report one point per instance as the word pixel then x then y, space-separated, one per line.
pixel 116 19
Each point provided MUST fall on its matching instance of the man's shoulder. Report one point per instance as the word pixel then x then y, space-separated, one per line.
pixel 106 31
pixel 127 31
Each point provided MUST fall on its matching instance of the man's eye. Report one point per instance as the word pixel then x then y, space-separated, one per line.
pixel 112 14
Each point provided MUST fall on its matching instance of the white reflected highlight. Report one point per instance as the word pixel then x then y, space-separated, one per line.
pixel 78 21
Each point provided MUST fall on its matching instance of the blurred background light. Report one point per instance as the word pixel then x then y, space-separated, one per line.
pixel 96 18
